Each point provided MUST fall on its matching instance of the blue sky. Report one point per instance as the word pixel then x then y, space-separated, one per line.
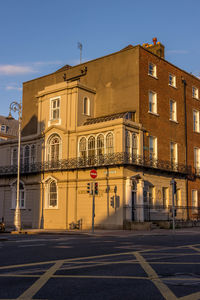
pixel 39 36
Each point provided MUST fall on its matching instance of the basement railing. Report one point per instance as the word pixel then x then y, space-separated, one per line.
pixel 115 159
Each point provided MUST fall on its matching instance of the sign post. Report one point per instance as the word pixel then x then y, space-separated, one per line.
pixel 93 175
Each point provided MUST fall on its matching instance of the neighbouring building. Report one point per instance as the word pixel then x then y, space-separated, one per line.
pixel 133 117
pixel 8 128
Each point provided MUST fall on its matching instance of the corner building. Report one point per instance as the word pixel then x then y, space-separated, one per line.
pixel 133 117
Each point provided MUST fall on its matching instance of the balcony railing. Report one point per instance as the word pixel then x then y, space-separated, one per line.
pixel 115 159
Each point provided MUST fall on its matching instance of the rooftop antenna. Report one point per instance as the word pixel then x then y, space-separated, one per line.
pixel 80 47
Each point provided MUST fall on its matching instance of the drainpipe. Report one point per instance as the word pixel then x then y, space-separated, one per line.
pixel 186 145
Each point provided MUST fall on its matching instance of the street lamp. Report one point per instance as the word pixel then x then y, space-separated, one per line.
pixel 17 107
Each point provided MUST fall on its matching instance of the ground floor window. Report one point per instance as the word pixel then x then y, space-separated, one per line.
pixel 21 195
pixel 51 192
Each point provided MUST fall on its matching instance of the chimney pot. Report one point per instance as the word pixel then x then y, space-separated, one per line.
pixel 154 41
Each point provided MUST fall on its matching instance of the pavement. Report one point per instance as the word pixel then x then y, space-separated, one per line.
pixel 121 233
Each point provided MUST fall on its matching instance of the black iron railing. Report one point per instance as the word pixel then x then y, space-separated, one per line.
pixel 115 159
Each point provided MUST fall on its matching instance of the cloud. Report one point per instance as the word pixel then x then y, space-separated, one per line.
pixel 11 87
pixel 33 67
pixel 15 69
pixel 177 52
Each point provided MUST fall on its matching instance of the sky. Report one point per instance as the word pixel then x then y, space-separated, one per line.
pixel 37 37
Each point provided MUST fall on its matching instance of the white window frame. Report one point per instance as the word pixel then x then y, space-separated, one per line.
pixel 48 147
pixel 153 154
pixel 196 124
pixel 57 108
pixel 195 92
pixel 86 106
pixel 152 102
pixel 172 80
pixel 172 110
pixel 152 70
pixel 195 201
pixel 174 148
pixel 47 183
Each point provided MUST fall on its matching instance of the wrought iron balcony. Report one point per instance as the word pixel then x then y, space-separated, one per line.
pixel 115 159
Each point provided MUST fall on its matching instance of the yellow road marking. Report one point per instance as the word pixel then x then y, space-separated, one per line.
pixel 194 296
pixel 194 248
pixel 165 291
pixel 30 292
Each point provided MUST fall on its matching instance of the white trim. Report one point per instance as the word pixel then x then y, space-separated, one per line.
pixel 47 182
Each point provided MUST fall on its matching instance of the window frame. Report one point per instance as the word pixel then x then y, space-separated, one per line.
pixel 155 147
pixel 172 110
pixel 86 107
pixel 195 201
pixel 47 185
pixel 173 159
pixel 197 160
pixel 57 108
pixel 153 103
pixel 196 123
pixel 152 72
pixel 195 92
pixel 172 80
pixel 14 195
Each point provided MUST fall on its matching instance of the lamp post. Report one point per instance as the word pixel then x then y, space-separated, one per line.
pixel 17 107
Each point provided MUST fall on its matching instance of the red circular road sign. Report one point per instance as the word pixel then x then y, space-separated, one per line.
pixel 93 173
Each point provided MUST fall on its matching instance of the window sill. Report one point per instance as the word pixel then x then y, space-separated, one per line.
pixel 173 86
pixel 195 98
pixel 155 77
pixel 50 208
pixel 86 115
pixel 20 208
pixel 174 121
pixel 152 113
pixel 194 131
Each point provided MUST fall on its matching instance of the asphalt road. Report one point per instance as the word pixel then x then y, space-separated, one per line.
pixel 100 266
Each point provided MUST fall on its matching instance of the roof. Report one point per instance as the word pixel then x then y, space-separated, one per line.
pixel 108 118
pixel 12 126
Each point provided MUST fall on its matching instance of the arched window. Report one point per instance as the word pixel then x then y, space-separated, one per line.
pixel 21 195
pixel 91 146
pixel 33 154
pixel 109 143
pixel 86 106
pixel 51 193
pixel 91 150
pixel 82 148
pixel 100 145
pixel 54 149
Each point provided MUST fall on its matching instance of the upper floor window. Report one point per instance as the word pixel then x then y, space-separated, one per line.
pixel 131 143
pixel 109 143
pixel 54 148
pixel 21 195
pixel 130 116
pixel 55 108
pixel 152 102
pixel 152 70
pixel 3 128
pixel 82 148
pixel 152 147
pixel 91 146
pixel 173 112
pixel 195 93
pixel 86 106
pixel 197 160
pixel 173 153
pixel 100 145
pixel 196 126
pixel 172 80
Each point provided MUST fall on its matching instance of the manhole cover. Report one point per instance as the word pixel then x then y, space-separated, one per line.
pixel 182 279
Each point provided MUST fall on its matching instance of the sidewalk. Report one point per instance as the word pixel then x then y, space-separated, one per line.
pixel 121 233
